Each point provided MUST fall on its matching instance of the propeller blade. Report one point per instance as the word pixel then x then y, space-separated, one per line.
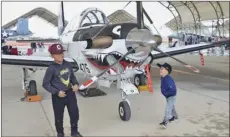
pixel 95 78
pixel 183 63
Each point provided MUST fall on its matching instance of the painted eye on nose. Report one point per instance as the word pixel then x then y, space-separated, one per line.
pixel 130 48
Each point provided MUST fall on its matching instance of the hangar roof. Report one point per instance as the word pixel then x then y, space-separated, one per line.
pixel 121 16
pixel 186 14
pixel 47 15
pixel 192 12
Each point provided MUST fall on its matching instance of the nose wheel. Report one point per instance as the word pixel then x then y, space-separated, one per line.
pixel 124 110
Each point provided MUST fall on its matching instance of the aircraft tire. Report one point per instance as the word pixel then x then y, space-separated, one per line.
pixel 124 110
pixel 32 88
pixel 139 79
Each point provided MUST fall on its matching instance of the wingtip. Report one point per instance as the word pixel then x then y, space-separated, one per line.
pixel 193 68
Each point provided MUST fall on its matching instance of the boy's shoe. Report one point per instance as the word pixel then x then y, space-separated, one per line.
pixel 77 135
pixel 173 118
pixel 163 124
pixel 60 135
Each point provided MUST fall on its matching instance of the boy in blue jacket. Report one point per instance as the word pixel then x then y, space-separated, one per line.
pixel 168 89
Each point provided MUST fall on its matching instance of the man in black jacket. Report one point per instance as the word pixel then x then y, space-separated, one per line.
pixel 60 81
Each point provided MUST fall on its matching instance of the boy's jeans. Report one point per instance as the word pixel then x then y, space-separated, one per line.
pixel 170 110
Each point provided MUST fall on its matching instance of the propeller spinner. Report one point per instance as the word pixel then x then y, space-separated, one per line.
pixel 142 38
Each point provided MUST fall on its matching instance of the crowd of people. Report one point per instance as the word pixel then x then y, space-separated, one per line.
pixel 9 50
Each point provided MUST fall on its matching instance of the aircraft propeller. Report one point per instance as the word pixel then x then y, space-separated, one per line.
pixel 95 78
pixel 145 38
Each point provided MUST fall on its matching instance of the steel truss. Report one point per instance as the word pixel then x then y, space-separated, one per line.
pixel 219 15
pixel 195 14
pixel 174 11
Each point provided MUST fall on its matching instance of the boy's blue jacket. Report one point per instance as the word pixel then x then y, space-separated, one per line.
pixel 168 87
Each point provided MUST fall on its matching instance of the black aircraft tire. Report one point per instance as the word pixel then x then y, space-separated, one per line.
pixel 139 80
pixel 124 110
pixel 32 88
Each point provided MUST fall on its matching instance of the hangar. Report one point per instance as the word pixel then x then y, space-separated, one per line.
pixel 41 12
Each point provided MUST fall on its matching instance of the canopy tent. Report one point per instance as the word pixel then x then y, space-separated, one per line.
pixel 192 13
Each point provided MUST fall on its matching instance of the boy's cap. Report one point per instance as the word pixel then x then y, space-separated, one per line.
pixel 56 49
pixel 166 66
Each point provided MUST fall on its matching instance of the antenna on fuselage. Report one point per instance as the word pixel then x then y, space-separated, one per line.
pixel 140 19
pixel 61 20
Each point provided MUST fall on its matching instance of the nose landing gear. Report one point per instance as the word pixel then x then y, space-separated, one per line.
pixel 124 110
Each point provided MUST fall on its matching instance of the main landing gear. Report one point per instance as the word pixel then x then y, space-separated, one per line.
pixel 30 87
pixel 139 80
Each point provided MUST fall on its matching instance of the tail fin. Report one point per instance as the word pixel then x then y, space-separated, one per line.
pixel 23 27
pixel 61 20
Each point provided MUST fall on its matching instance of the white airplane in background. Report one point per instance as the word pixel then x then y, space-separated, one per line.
pixel 108 53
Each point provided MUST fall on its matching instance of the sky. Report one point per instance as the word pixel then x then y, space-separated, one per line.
pixel 11 10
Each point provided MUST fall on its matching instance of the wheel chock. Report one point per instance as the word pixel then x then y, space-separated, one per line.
pixel 143 88
pixel 34 98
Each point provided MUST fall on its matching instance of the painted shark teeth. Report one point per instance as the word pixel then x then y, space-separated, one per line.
pixel 101 56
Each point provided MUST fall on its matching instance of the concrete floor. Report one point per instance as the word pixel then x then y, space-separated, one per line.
pixel 202 105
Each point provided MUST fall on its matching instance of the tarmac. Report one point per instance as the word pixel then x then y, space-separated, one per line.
pixel 202 105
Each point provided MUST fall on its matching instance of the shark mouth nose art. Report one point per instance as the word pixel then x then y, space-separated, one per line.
pixel 100 61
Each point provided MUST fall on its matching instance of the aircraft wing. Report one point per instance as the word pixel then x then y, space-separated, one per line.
pixel 31 61
pixel 186 49
pixel 38 40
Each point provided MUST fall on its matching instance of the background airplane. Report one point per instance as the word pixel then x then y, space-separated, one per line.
pixel 22 30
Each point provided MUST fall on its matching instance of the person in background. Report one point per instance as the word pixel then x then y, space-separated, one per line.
pixel 169 90
pixel 33 46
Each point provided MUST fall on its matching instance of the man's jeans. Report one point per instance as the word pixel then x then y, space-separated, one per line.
pixel 170 110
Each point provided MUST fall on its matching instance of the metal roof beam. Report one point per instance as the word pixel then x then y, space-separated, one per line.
pixel 219 15
pixel 195 13
pixel 170 7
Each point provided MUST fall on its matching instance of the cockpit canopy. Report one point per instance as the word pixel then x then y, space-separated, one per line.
pixel 92 16
pixel 88 17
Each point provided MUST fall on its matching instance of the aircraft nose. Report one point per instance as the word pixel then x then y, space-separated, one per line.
pixel 142 38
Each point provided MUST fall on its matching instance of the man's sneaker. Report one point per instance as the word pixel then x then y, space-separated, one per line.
pixel 163 124
pixel 60 135
pixel 77 135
